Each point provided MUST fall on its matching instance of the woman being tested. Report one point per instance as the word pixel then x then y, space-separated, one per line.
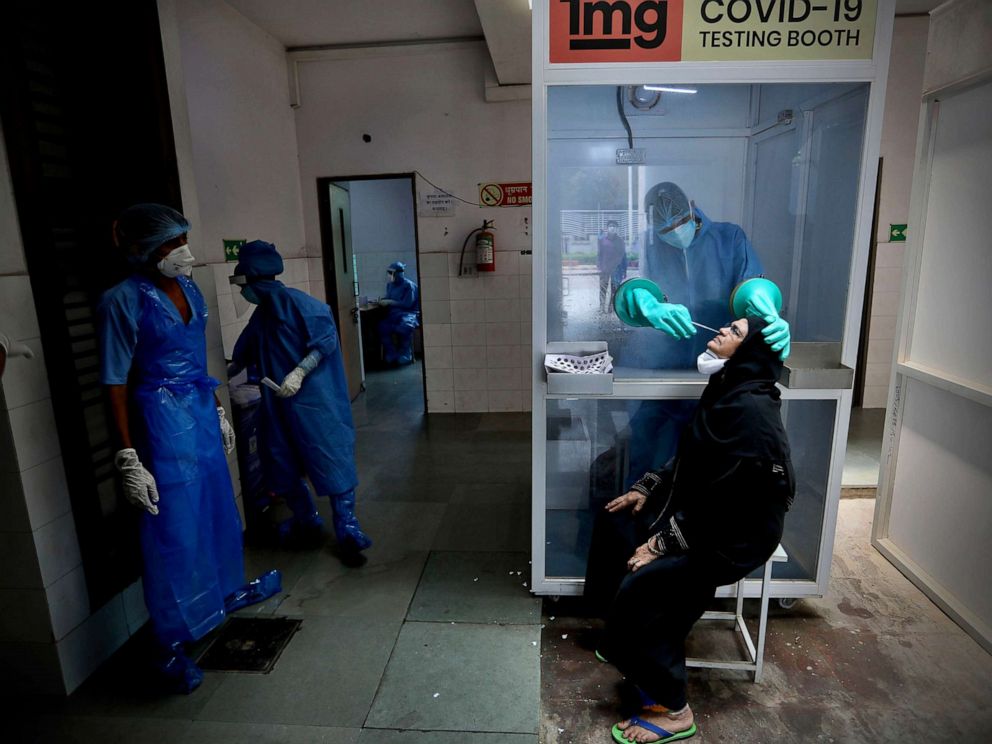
pixel 709 518
pixel 173 434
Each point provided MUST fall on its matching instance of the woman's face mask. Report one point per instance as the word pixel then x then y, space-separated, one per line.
pixel 709 363
pixel 179 262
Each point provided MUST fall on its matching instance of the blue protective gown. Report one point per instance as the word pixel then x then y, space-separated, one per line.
pixel 402 318
pixel 311 432
pixel 192 548
pixel 700 277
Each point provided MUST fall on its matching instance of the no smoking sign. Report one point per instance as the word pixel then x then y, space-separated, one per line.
pixel 505 194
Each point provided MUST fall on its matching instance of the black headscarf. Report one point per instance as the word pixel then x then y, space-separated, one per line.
pixel 739 413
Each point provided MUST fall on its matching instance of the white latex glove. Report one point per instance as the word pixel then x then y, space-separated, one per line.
pixel 291 383
pixel 15 348
pixel 139 484
pixel 226 430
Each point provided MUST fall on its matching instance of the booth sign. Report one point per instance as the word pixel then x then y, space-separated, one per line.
pixel 626 31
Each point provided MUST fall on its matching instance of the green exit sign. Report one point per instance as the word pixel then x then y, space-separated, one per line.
pixel 231 249
pixel 897 233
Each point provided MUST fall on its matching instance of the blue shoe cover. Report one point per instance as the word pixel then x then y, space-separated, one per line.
pixel 346 528
pixel 255 591
pixel 179 672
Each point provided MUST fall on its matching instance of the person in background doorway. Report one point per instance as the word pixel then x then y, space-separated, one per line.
pixel 708 518
pixel 173 433
pixel 305 428
pixel 401 302
pixel 611 262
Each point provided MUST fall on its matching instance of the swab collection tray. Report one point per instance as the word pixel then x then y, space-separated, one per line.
pixel 579 368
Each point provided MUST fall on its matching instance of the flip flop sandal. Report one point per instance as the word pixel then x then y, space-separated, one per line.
pixel 665 736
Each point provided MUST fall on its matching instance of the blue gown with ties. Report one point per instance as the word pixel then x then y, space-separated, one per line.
pixel 192 548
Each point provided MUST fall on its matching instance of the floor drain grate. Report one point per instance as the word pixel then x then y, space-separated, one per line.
pixel 249 644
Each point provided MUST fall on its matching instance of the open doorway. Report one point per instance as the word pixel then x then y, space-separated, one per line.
pixel 369 225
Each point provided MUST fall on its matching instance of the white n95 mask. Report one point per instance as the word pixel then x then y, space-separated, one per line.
pixel 709 363
pixel 681 236
pixel 179 262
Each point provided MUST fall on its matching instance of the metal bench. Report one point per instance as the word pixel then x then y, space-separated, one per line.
pixel 755 651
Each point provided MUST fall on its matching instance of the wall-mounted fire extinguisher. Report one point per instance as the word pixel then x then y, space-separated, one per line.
pixel 485 249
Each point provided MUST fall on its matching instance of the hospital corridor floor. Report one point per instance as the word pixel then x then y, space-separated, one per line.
pixel 437 639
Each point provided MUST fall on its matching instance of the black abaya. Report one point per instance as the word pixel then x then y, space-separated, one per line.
pixel 721 514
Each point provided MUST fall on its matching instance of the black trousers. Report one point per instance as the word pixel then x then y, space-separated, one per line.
pixel 649 613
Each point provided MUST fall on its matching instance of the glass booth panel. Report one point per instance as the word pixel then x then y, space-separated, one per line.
pixel 596 448
pixel 769 175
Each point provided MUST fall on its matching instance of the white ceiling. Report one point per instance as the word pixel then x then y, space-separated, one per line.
pixel 505 24
pixel 299 23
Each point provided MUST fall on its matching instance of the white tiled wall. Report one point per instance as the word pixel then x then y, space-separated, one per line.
pixel 477 337
pixel 882 325
pixel 898 150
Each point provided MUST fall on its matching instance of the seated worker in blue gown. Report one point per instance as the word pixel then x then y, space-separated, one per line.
pixel 305 429
pixel 402 318
pixel 697 263
pixel 708 518
pixel 173 433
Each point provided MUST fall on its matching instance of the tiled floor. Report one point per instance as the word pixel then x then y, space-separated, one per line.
pixel 435 639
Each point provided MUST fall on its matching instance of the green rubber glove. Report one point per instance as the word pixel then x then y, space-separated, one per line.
pixel 671 319
pixel 776 333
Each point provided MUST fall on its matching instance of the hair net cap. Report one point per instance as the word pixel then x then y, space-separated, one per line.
pixel 142 228
pixel 397 266
pixel 258 258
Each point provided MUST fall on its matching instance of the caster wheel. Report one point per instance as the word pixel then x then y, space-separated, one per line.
pixel 787 603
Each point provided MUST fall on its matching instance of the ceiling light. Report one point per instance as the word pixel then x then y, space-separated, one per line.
pixel 666 89
pixel 641 98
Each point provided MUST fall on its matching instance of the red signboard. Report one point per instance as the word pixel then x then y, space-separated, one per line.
pixel 616 30
pixel 505 194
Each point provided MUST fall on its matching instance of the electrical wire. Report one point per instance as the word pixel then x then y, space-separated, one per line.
pixel 445 191
pixel 623 117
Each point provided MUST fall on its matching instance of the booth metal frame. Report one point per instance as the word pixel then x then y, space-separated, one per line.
pixel 545 75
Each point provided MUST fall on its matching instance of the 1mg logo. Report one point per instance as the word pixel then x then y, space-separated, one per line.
pixel 651 19
pixel 615 30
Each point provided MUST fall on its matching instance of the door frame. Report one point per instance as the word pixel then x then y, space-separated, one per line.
pixel 327 247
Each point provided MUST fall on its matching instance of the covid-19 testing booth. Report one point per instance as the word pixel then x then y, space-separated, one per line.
pixel 767 115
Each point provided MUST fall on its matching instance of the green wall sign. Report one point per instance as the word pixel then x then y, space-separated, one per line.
pixel 231 249
pixel 897 233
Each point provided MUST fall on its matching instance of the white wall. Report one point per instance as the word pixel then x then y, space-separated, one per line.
pixel 425 110
pixel 934 509
pixel 242 139
pixel 35 515
pixel 899 130
pixel 382 231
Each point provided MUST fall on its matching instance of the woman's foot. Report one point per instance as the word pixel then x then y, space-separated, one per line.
pixel 674 722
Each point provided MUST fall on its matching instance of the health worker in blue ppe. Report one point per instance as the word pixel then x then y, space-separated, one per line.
pixel 175 438
pixel 305 428
pixel 697 262
pixel 402 318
